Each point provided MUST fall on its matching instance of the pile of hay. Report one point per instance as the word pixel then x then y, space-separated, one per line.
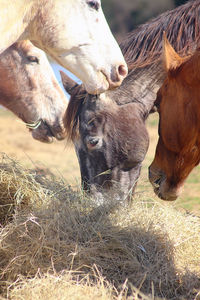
pixel 58 244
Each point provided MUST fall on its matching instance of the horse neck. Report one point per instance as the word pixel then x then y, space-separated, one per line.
pixel 15 17
pixel 140 86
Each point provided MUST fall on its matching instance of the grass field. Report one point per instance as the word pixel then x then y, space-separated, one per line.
pixel 60 159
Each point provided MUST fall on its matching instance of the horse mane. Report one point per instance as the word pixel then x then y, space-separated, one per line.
pixel 71 120
pixel 143 46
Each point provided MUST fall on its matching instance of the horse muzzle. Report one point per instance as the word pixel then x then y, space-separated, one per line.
pixel 116 76
pixel 162 188
pixel 46 133
pixel 93 142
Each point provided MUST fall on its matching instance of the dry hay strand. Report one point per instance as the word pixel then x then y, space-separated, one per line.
pixel 144 246
pixel 18 189
pixel 22 189
pixel 65 286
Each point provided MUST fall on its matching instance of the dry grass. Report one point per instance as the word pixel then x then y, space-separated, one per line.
pixel 61 159
pixel 58 244
pixel 17 142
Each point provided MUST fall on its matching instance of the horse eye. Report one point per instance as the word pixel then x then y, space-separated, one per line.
pixel 94 4
pixel 33 59
pixel 91 122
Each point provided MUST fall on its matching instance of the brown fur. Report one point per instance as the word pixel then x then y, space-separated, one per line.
pixel 178 149
pixel 30 90
pixel 78 94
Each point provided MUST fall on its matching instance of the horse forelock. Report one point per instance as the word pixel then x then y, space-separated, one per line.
pixel 143 46
pixel 73 111
pixel 23 45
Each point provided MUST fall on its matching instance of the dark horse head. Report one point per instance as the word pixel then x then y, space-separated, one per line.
pixel 110 139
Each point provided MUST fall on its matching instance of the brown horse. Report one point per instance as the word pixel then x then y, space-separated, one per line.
pixel 73 32
pixel 29 89
pixel 142 50
pixel 178 101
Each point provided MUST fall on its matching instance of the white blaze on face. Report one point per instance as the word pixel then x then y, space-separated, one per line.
pixel 83 43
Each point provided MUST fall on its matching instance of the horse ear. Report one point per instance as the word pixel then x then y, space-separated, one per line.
pixel 68 83
pixel 171 59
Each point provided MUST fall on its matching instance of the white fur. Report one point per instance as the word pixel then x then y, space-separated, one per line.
pixel 74 34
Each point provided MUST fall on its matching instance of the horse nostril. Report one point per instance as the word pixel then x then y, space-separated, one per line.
pixel 122 70
pixel 93 141
pixel 157 182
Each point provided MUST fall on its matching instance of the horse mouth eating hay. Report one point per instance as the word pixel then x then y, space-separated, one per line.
pixel 110 141
pixel 29 89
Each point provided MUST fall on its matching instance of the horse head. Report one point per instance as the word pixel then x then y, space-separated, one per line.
pixel 110 140
pixel 177 151
pixel 29 89
pixel 76 34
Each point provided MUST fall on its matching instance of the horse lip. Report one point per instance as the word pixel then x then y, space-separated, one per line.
pixel 50 131
pixel 165 196
pixel 58 135
pixel 157 182
pixel 156 190
pixel 159 194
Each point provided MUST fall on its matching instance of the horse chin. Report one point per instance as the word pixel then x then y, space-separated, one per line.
pixel 101 86
pixel 102 83
pixel 167 192
pixel 46 134
pixel 37 135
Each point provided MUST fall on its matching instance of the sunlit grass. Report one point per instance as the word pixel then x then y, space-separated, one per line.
pixel 56 243
pixel 60 158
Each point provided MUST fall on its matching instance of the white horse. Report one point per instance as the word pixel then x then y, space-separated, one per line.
pixel 73 32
